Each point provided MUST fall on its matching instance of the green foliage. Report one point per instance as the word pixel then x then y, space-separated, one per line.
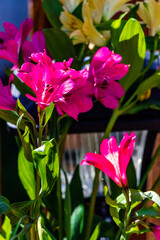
pixel 6 229
pixel 26 173
pixel 103 229
pixel 52 10
pixel 47 165
pixel 9 116
pixel 59 44
pixel 132 48
pixel 152 211
pixel 77 223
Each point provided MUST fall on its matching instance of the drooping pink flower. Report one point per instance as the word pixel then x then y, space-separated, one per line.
pixel 156 230
pixel 105 69
pixel 58 83
pixel 7 102
pixel 12 39
pixel 114 159
pixel 36 45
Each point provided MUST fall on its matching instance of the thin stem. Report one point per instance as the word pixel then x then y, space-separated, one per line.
pixel 59 195
pixel 109 127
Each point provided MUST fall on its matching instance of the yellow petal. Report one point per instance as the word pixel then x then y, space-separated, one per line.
pixel 70 22
pixel 70 5
pixel 96 8
pixel 88 28
pixel 78 37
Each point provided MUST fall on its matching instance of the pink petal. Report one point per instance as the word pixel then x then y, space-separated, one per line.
pixel 10 29
pixel 10 52
pixel 100 162
pixel 110 94
pixel 125 152
pixel 23 31
pixel 38 41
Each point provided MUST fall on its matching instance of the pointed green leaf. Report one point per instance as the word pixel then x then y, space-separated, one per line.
pixel 115 215
pixel 114 203
pixel 149 83
pixel 77 222
pixel 151 195
pixel 6 229
pixel 53 10
pixel 132 48
pixel 4 205
pixel 26 173
pixel 152 211
pixel 132 228
pixel 9 116
pixel 48 113
pixel 103 229
pixel 116 29
pixel 59 44
pixel 76 186
pixel 67 209
pixel 47 164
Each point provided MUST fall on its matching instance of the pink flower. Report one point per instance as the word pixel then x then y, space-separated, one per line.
pixel 12 39
pixel 58 83
pixel 7 101
pixel 104 69
pixel 156 230
pixel 114 159
pixel 36 45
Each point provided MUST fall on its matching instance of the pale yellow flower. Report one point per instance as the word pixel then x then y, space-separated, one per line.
pixel 70 22
pixel 149 12
pixel 96 8
pixel 70 5
pixel 89 30
pixel 113 6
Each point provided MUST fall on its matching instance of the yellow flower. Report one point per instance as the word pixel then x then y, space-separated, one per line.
pixel 70 5
pixel 149 12
pixel 85 31
pixel 113 6
pixel 89 30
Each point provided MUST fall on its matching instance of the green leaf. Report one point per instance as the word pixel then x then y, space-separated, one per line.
pixel 26 174
pixel 103 229
pixel 111 202
pixel 132 228
pixel 25 139
pixel 67 209
pixel 48 113
pixel 132 48
pixel 4 205
pixel 9 116
pixel 22 87
pixel 76 186
pixel 151 195
pixel 77 222
pixel 47 164
pixel 149 83
pixel 152 211
pixel 53 10
pixel 6 229
pixel 59 44
pixel 115 215
pixel 131 175
pixel 116 29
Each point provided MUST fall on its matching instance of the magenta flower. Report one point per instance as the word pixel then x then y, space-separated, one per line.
pixel 105 69
pixel 58 83
pixel 156 230
pixel 12 39
pixel 7 101
pixel 36 45
pixel 114 159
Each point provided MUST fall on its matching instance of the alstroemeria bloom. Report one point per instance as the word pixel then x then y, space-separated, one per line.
pixel 12 39
pixel 36 45
pixel 84 31
pixel 7 102
pixel 156 230
pixel 104 69
pixel 70 5
pixel 58 83
pixel 114 159
pixel 149 11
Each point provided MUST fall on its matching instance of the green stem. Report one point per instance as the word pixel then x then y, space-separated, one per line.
pixel 109 128
pixel 144 178
pixel 59 195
